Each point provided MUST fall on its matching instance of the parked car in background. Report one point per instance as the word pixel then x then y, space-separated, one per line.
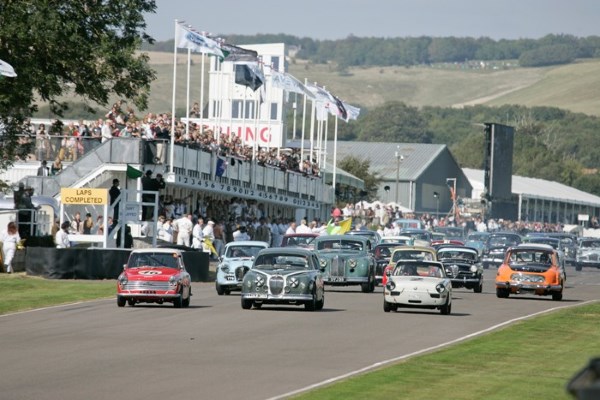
pixel 154 276
pixel 418 284
pixel 588 253
pixel 346 260
pixel 284 275
pixel 418 253
pixel 530 268
pixel 462 266
pixel 236 261
pixel 495 247
pixel 304 240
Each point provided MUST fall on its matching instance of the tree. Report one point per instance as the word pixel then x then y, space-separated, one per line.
pixel 60 48
pixel 360 168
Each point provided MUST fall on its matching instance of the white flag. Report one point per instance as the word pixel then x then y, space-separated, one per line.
pixel 351 112
pixel 288 83
pixel 7 70
pixel 188 39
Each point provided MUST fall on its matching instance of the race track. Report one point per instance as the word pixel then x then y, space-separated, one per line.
pixel 216 350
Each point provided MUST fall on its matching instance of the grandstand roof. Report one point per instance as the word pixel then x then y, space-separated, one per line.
pixel 536 188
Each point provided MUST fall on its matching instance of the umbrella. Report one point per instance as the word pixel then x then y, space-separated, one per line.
pixel 7 70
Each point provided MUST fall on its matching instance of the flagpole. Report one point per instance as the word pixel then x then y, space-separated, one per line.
pixel 172 139
pixel 335 153
pixel 187 101
pixel 312 130
pixel 303 128
pixel 202 94
pixel 295 114
pixel 322 168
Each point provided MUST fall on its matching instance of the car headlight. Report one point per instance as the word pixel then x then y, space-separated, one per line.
pixel 259 281
pixel 294 282
pixel 323 263
pixel 352 263
pixel 440 288
pixel 225 269
pixel 391 286
pixel 473 268
pixel 123 280
pixel 173 281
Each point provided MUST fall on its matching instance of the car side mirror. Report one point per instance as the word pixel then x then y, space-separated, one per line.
pixel 124 267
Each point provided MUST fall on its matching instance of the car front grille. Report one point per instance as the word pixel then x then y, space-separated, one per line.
pixel 276 285
pixel 146 285
pixel 240 272
pixel 337 267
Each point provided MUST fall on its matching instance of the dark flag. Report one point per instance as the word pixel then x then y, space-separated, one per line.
pixel 246 75
pixel 221 167
pixel 133 173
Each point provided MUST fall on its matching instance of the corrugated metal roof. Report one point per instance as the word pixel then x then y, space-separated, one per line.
pixel 539 188
pixel 416 157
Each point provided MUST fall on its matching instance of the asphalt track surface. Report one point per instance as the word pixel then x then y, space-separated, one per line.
pixel 216 350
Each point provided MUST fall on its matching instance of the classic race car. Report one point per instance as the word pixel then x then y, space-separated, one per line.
pixel 418 284
pixel 588 253
pixel 495 247
pixel 462 267
pixel 530 268
pixel 236 261
pixel 154 276
pixel 408 253
pixel 284 276
pixel 346 260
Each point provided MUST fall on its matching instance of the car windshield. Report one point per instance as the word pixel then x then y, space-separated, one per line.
pixel 590 244
pixel 412 255
pixel 281 261
pixel 503 241
pixel 418 235
pixel 416 269
pixel 242 251
pixel 340 244
pixel 383 251
pixel 168 260
pixel 538 257
pixel 299 240
pixel 477 236
pixel 549 241
pixel 456 254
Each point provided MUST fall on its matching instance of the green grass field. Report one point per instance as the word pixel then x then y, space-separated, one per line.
pixel 533 359
pixel 573 87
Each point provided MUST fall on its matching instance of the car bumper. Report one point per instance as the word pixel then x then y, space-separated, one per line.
pixel 465 281
pixel 149 296
pixel 348 280
pixel 532 287
pixel 413 299
pixel 588 263
pixel 492 261
pixel 276 298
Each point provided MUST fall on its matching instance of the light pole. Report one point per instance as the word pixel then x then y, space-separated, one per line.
pixel 451 182
pixel 399 157
pixel 437 204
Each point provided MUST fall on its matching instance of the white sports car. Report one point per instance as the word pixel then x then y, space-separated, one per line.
pixel 236 261
pixel 418 284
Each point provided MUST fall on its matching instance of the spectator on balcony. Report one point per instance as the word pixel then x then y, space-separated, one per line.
pixel 56 166
pixel 43 170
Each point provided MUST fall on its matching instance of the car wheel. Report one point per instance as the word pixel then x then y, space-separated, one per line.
pixel 178 301
pixel 578 267
pixel 486 266
pixel 121 301
pixel 320 303
pixel 502 293
pixel 131 302
pixel 446 309
pixel 246 304
pixel 368 287
pixel 220 290
pixel 311 305
pixel 227 292
pixel 186 302
pixel 479 287
pixel 557 296
pixel 387 307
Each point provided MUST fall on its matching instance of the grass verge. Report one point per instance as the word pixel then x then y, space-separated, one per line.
pixel 532 359
pixel 19 292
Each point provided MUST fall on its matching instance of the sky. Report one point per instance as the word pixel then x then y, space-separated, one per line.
pixel 338 19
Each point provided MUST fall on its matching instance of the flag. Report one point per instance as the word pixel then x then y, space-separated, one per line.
pixel 221 167
pixel 236 53
pixel 339 229
pixel 288 83
pixel 188 39
pixel 320 94
pixel 341 110
pixel 133 173
pixel 7 70
pixel 249 74
pixel 351 112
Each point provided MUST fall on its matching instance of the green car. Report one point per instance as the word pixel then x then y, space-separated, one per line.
pixel 284 275
pixel 346 260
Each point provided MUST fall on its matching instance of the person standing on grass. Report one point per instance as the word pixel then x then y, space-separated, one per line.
pixel 10 238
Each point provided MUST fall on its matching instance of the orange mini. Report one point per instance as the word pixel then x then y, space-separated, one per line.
pixel 530 268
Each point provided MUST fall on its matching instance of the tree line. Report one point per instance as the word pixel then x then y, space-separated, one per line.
pixel 355 51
